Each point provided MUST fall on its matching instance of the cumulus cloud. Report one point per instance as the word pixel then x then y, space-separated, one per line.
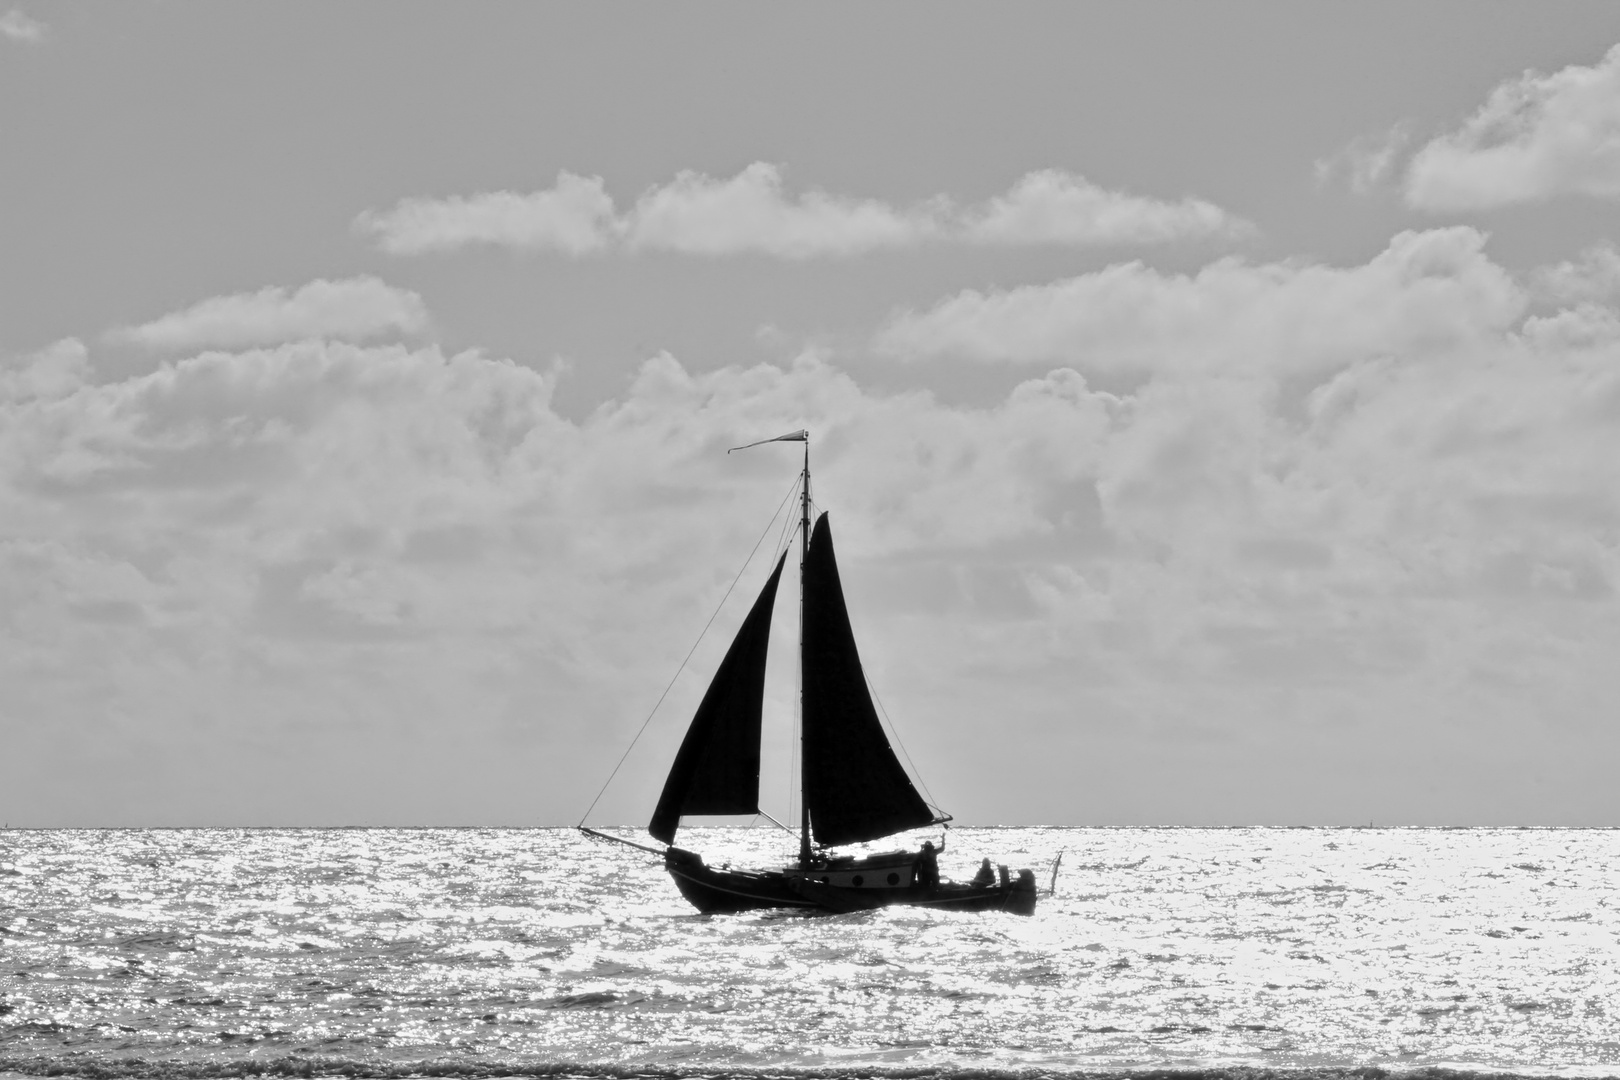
pixel 1535 138
pixel 311 538
pixel 16 25
pixel 750 212
pixel 1054 207
pixel 1425 290
pixel 576 216
pixel 353 309
pixel 753 212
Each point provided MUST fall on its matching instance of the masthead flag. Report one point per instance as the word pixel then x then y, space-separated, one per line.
pixel 802 435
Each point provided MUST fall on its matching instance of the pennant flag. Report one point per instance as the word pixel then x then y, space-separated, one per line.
pixel 802 435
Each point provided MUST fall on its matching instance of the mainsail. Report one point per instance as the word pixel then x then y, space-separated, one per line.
pixel 855 789
pixel 717 768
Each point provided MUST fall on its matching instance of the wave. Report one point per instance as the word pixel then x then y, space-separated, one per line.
pixel 135 1068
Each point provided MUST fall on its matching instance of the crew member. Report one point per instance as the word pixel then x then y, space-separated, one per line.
pixel 928 866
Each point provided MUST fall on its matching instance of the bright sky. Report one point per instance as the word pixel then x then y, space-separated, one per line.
pixel 1219 404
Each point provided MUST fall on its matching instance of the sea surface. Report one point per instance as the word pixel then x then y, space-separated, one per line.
pixel 489 952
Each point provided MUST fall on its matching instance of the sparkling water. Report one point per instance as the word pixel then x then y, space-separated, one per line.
pixel 485 952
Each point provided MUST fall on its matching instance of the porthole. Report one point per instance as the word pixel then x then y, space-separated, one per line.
pixel 857 880
pixel 894 879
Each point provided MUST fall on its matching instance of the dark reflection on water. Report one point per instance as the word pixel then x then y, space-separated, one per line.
pixel 504 952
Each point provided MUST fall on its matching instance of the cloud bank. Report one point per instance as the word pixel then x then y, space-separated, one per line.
pixel 1397 555
pixel 753 213
pixel 351 309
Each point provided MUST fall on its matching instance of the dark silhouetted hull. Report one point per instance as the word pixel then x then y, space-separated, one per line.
pixel 718 891
pixel 715 892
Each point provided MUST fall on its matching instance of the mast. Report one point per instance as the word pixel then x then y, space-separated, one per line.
pixel 804 758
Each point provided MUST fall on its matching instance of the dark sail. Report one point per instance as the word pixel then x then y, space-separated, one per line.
pixel 854 786
pixel 717 769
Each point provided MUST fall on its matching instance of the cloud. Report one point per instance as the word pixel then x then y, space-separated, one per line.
pixel 1428 290
pixel 53 372
pixel 1054 207
pixel 1369 162
pixel 353 309
pixel 16 25
pixel 1593 278
pixel 279 554
pixel 699 215
pixel 575 216
pixel 753 213
pixel 1536 137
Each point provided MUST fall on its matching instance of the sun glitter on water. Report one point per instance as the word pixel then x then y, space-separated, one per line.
pixel 372 951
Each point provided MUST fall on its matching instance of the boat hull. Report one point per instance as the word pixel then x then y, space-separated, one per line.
pixel 716 892
pixel 720 891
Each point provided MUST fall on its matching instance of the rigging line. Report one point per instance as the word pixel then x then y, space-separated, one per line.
pixel 643 729
pixel 790 525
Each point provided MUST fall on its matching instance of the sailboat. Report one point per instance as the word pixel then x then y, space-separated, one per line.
pixel 854 789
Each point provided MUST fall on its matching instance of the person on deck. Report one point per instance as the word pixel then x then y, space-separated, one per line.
pixel 928 866
pixel 986 876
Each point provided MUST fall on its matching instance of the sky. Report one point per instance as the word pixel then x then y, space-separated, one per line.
pixel 1219 404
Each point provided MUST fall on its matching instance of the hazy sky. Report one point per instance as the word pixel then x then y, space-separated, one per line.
pixel 1219 404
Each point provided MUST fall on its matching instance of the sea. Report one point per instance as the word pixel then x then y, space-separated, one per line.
pixel 541 952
